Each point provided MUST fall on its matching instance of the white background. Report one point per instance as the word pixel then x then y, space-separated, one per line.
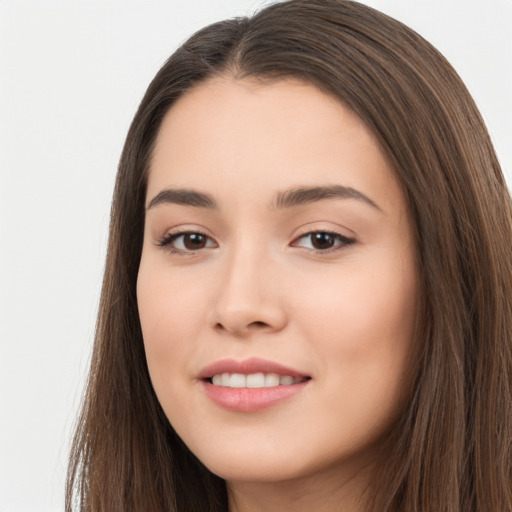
pixel 71 76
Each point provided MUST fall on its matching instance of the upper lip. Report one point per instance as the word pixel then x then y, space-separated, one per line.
pixel 247 366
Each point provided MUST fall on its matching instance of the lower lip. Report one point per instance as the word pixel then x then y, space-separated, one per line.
pixel 250 399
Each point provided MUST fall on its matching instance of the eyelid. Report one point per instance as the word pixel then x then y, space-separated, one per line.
pixel 343 240
pixel 166 240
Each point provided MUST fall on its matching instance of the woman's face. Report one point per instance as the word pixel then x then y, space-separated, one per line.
pixel 277 286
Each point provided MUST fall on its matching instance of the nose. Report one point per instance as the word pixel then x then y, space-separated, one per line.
pixel 248 296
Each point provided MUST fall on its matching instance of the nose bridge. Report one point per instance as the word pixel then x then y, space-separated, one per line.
pixel 246 298
pixel 240 269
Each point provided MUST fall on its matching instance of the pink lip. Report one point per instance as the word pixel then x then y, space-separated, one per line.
pixel 249 399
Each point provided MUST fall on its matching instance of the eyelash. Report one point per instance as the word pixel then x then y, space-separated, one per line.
pixel 166 241
pixel 342 240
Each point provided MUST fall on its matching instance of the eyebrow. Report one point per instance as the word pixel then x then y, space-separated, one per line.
pixel 298 196
pixel 184 196
pixel 305 195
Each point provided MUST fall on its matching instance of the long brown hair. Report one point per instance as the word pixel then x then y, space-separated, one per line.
pixel 451 451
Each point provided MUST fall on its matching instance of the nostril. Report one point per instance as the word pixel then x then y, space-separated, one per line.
pixel 253 325
pixel 259 324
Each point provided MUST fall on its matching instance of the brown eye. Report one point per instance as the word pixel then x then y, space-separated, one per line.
pixel 323 241
pixel 194 241
pixel 186 243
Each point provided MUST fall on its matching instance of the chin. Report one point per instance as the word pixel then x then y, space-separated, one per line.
pixel 257 471
pixel 252 463
pixel 267 463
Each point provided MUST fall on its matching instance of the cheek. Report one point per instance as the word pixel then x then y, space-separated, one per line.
pixel 168 312
pixel 359 307
pixel 362 325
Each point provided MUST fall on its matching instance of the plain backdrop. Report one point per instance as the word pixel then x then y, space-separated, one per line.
pixel 71 76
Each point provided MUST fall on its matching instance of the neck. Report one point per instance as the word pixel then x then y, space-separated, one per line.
pixel 325 492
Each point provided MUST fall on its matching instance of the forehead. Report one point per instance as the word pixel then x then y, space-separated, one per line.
pixel 241 138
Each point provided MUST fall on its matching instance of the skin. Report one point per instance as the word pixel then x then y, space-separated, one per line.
pixel 257 287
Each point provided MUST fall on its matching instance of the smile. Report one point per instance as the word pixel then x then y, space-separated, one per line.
pixel 254 380
pixel 250 385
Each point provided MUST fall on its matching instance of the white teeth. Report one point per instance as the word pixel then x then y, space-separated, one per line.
pixel 286 380
pixel 271 380
pixel 237 380
pixel 254 380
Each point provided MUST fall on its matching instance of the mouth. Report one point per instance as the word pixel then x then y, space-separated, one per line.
pixel 251 373
pixel 254 380
pixel 250 385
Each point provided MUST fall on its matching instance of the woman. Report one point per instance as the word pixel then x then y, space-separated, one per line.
pixel 306 298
